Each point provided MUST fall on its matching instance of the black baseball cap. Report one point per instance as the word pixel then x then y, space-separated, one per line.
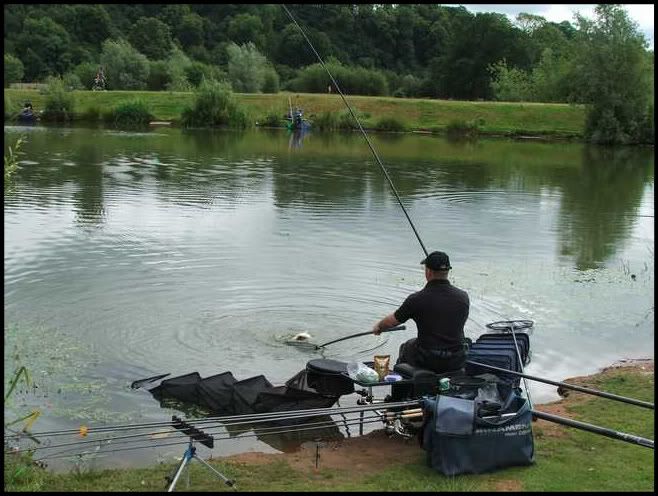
pixel 437 260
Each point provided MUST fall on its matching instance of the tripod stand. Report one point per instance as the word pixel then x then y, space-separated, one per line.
pixel 190 454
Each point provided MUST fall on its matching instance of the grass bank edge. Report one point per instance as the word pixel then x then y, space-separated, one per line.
pixel 566 459
pixel 434 116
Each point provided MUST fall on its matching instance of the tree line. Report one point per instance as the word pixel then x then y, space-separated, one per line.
pixel 403 50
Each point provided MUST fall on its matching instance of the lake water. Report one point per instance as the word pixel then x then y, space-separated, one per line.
pixel 133 254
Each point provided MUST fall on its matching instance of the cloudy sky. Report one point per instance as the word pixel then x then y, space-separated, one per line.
pixel 642 14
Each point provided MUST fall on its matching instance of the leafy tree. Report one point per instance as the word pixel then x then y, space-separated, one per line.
pixel 612 76
pixel 152 37
pixel 125 67
pixel 86 72
pixel 44 47
pixel 190 31
pixel 196 72
pixel 90 23
pixel 13 69
pixel 271 81
pixel 244 28
pixel 246 68
pixel 529 22
pixel 159 77
pixel 510 84
pixel 177 64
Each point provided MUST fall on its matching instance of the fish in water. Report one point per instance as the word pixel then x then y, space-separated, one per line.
pixel 301 336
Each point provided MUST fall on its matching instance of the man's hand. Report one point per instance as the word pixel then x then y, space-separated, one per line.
pixel 386 323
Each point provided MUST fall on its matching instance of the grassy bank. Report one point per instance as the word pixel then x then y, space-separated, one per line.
pixel 554 120
pixel 566 459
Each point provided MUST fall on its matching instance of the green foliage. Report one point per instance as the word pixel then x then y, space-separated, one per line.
pixel 390 124
pixel 352 80
pixel 271 81
pixel 552 78
pixel 272 119
pixel 215 105
pixel 246 68
pixel 125 67
pixel 198 71
pixel 92 114
pixel 11 166
pixel 86 72
pixel 131 114
pixel 246 28
pixel 13 69
pixel 44 47
pixel 612 76
pixel 510 84
pixel 60 102
pixel 425 50
pixel 152 37
pixel 326 121
pixel 72 81
pixel 329 121
pixel 177 64
pixel 190 30
pixel 10 111
pixel 159 76
pixel 459 129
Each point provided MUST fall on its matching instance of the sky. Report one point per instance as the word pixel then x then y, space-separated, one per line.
pixel 642 14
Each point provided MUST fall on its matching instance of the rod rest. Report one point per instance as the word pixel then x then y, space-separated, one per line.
pixel 193 432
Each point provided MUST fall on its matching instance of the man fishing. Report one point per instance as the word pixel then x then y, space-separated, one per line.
pixel 440 311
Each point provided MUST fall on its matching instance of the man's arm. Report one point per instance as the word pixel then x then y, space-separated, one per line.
pixel 385 323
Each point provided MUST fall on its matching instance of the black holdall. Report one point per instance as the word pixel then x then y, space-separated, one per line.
pixel 464 436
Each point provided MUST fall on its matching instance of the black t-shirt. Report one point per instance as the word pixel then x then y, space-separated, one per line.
pixel 440 311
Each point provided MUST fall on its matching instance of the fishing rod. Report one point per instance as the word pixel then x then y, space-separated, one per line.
pixel 67 454
pixel 622 436
pixel 228 418
pixel 249 427
pixel 320 346
pixel 365 135
pixel 603 394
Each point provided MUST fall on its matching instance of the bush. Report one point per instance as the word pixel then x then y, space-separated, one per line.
pixel 390 124
pixel 13 69
pixel 91 114
pixel 326 121
pixel 272 119
pixel 510 84
pixel 271 82
pixel 72 81
pixel 215 105
pixel 130 114
pixel 464 129
pixel 334 120
pixel 10 111
pixel 159 76
pixel 86 72
pixel 125 67
pixel 197 72
pixel 352 80
pixel 60 102
pixel 246 67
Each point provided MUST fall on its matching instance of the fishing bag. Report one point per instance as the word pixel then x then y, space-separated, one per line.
pixel 498 357
pixel 463 436
pixel 329 377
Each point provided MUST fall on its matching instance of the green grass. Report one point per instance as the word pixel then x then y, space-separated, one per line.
pixel 566 460
pixel 558 120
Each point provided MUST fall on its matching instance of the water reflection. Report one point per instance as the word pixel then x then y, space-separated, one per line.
pixel 600 204
pixel 600 189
